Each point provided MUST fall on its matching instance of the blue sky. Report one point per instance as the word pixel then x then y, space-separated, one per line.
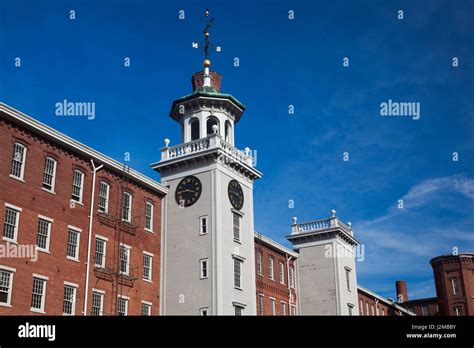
pixel 282 62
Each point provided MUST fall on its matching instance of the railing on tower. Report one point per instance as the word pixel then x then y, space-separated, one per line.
pixel 213 141
pixel 320 225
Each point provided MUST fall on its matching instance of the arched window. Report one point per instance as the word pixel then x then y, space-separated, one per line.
pixel 211 121
pixel 194 129
pixel 228 131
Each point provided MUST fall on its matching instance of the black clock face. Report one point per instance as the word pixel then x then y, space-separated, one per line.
pixel 188 191
pixel 236 195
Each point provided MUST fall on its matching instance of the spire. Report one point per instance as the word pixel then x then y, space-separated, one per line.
pixel 207 47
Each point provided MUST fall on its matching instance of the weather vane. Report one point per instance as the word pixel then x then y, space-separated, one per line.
pixel 207 45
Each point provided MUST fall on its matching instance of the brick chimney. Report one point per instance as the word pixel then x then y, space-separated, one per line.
pixel 197 80
pixel 402 294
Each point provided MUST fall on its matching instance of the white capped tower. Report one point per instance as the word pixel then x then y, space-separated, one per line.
pixel 208 228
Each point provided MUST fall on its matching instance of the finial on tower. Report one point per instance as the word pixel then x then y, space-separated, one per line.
pixel 207 47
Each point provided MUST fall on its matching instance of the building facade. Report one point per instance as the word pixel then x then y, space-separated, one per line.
pixel 74 240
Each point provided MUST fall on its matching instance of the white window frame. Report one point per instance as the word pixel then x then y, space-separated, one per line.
pixel 150 267
pixel 73 302
pixel 52 174
pixel 101 294
pixel 372 309
pixel 18 211
pixel 204 311
pixel 43 295
pixel 128 248
pixel 240 307
pixel 104 240
pixel 348 278
pixel 292 277
pixel 78 232
pixel 350 309
pixel 203 262
pixel 203 225
pixel 22 161
pixel 272 306
pixel 105 208
pixel 129 208
pixel 149 305
pixel 261 305
pixel 425 310
pixel 236 228
pixel 458 311
pixel 367 311
pixel 293 310
pixel 81 186
pixel 149 204
pixel 455 285
pixel 127 300
pixel 239 262
pixel 11 271
pixel 271 268
pixel 281 272
pixel 259 264
pixel 283 308
pixel 48 236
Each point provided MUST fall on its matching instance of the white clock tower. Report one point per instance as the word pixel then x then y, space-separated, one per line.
pixel 207 261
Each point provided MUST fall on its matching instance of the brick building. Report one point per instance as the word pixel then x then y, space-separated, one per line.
pixel 275 269
pixel 372 304
pixel 46 181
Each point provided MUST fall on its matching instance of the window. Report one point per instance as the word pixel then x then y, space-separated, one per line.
pixel 204 312
pixel 69 304
pixel 100 251
pixel 237 273
pixel 211 121
pixel 372 309
pixel 367 308
pixel 104 190
pixel 194 129
pixel 73 244
pixel 38 293
pixel 10 226
pixel 122 306
pixel 147 266
pixel 204 269
pixel 259 264
pixel 228 129
pixel 458 311
pixel 127 207
pixel 361 307
pixel 293 310
pixel 377 309
pixel 282 272
pixel 456 287
pixel 77 185
pixel 261 304
pixel 292 277
pixel 44 231
pixel 49 174
pixel 349 308
pixel 238 310
pixel 272 306
pixel 146 309
pixel 6 282
pixel 283 308
pixel 236 225
pixel 425 310
pixel 149 216
pixel 203 225
pixel 18 161
pixel 97 303
pixel 348 278
pixel 383 311
pixel 270 265
pixel 124 259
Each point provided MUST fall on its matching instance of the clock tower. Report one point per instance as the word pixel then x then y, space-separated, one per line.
pixel 207 259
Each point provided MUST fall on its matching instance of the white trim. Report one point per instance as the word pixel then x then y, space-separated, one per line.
pixel 384 300
pixel 48 239
pixel 66 141
pixel 101 237
pixel 129 210
pixel 99 291
pixel 201 310
pixel 74 228
pixel 124 297
pixel 274 244
pixel 148 203
pixel 35 275
pixel 23 162
pixel 11 206
pixel 53 175
pixel 10 288
pixel 147 253
pixel 45 218
pixel 107 197
pixel 104 254
pixel 201 268
pixel 147 303
pixel 74 299
pixel 272 308
pixel 201 218
pixel 81 187
pixel 78 245
pixel 71 284
pixel 9 269
pixel 150 255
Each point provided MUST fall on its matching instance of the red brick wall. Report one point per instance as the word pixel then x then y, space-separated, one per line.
pixel 417 306
pixel 273 288
pixel 29 196
pixel 197 80
pixel 364 299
